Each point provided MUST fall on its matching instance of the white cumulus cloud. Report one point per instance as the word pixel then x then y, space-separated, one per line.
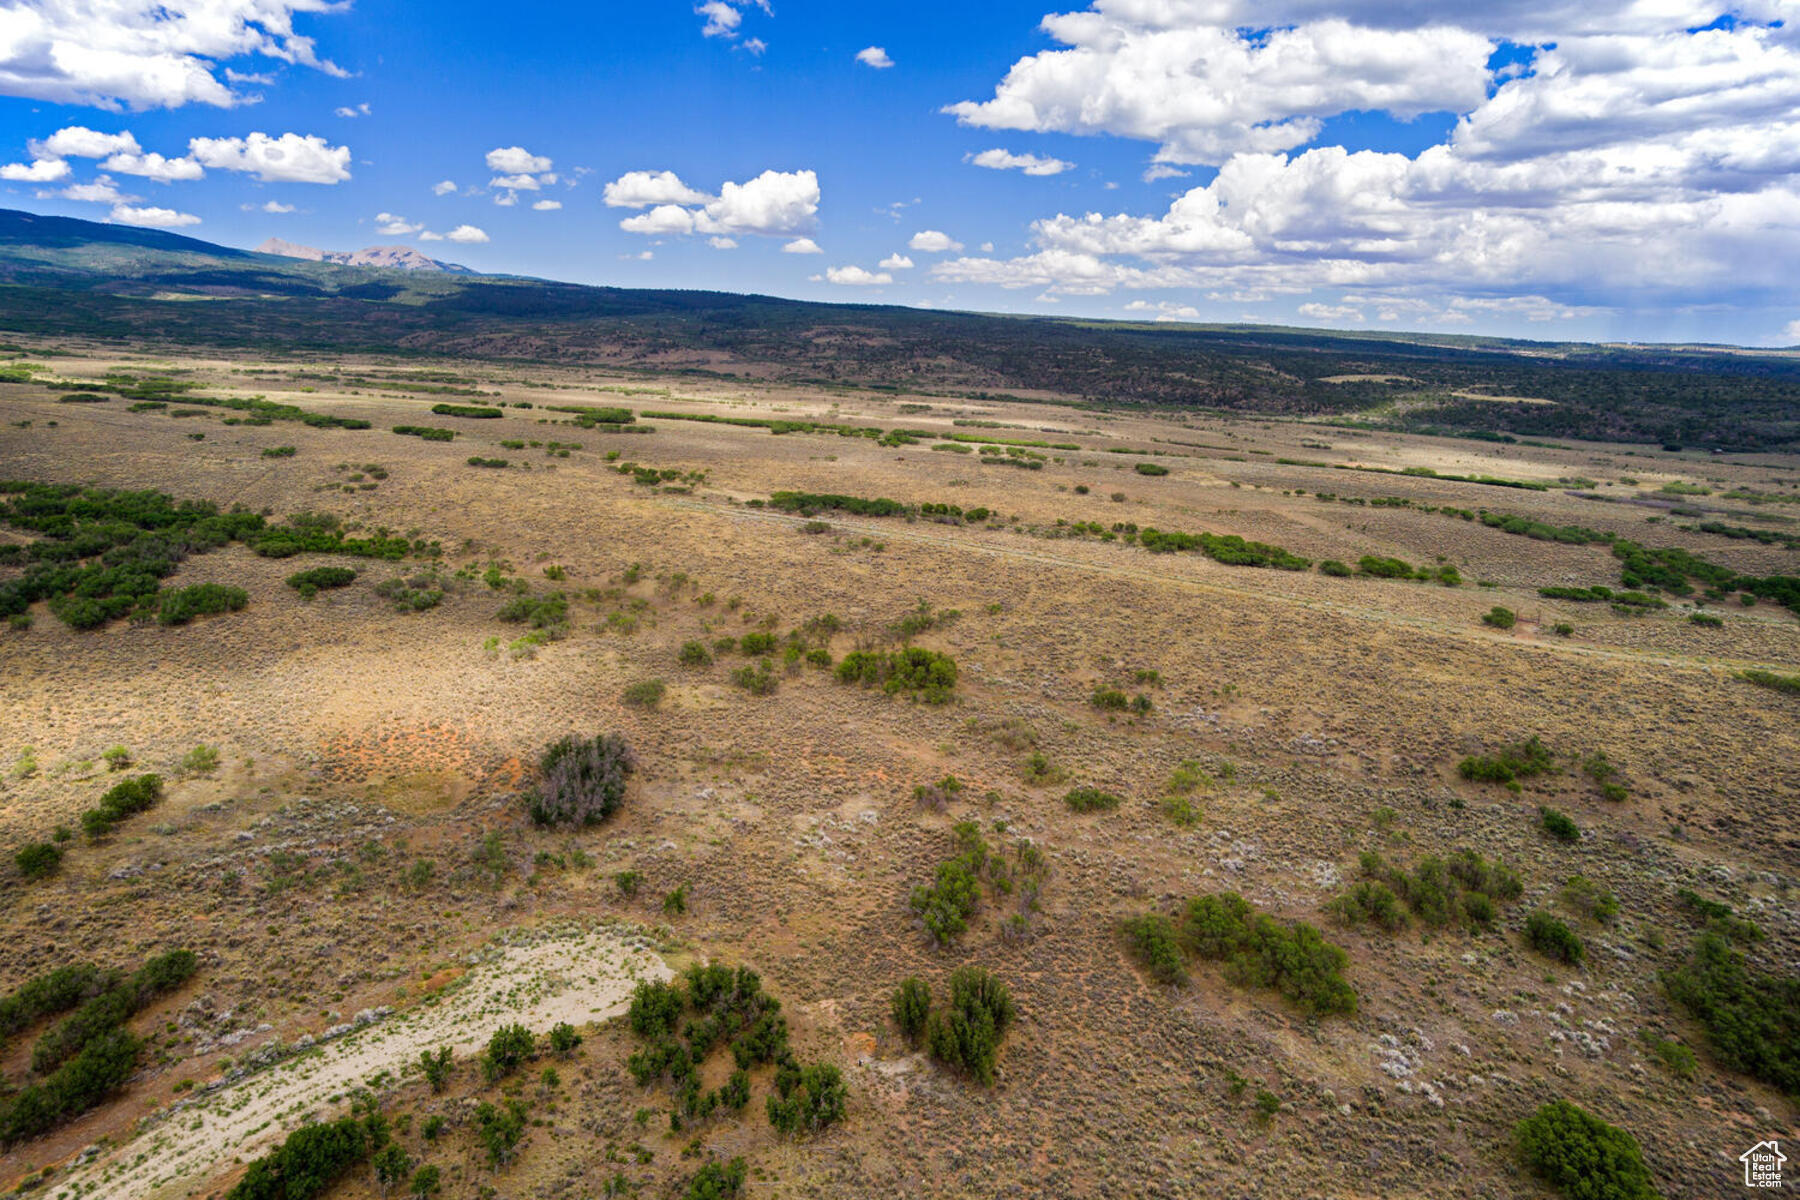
pixel 874 56
pixel 854 276
pixel 774 204
pixel 78 141
pixel 896 262
pixel 43 170
pixel 389 225
pixel 145 54
pixel 516 160
pixel 100 191
pixel 804 245
pixel 1031 164
pixel 645 189
pixel 722 243
pixel 443 187
pixel 546 205
pixel 468 235
pixel 152 218
pixel 931 241
pixel 155 166
pixel 290 158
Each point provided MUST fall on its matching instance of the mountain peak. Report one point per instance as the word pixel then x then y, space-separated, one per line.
pixel 390 258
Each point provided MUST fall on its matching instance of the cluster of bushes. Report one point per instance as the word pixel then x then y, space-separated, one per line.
pixel 311 583
pixel 808 503
pixel 498 464
pixel 1500 617
pixel 945 906
pixel 262 412
pixel 428 432
pixel 1229 549
pixel 178 606
pixel 312 1159
pixel 548 612
pixel 1259 951
pixel 1522 760
pixel 1463 890
pixel 912 671
pixel 477 412
pixel 1558 824
pixel 1582 1156
pixel 964 1035
pixel 1553 939
pixel 322 533
pixel 582 780
pixel 126 798
pixel 1788 684
pixel 102 554
pixel 1751 1018
pixel 412 593
pixel 1600 769
pixel 773 425
pixel 1091 799
pixel 38 860
pixel 1154 942
pixel 730 1009
pixel 88 1054
pixel 1377 567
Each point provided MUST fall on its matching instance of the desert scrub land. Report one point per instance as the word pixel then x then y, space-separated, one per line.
pixel 1296 874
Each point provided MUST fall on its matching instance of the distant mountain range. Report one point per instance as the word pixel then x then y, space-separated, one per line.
pixel 63 277
pixel 386 258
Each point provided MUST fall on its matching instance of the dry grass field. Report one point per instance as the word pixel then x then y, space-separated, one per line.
pixel 1326 717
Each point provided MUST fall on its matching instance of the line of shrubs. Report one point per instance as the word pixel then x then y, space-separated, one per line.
pixel 475 412
pixel 1257 950
pixel 965 1034
pixel 89 1054
pixel 912 671
pixel 429 433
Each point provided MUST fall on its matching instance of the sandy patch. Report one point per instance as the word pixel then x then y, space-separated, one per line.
pixel 580 976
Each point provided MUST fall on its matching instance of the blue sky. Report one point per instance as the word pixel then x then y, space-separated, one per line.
pixel 1610 169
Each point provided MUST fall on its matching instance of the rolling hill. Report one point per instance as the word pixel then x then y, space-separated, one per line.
pixel 65 277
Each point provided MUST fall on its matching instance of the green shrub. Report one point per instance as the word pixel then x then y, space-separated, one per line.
pixel 647 693
pixel 310 1161
pixel 1582 1156
pixel 38 860
pixel 201 760
pixel 311 583
pixel 507 1050
pixel 1258 951
pixel 758 679
pixel 279 452
pixel 1109 700
pixel 436 1067
pixel 478 412
pixel 912 1007
pixel 947 904
pixel 757 643
pixel 1676 1058
pixel 1385 568
pixel 181 605
pixel 1500 617
pixel 1790 684
pixel 1372 902
pixel 126 798
pixel 966 1035
pixel 655 1009
pixel 1584 896
pixel 1463 890
pixel 808 1099
pixel 1559 825
pixel 427 432
pixel 1091 799
pixel 1521 761
pixel 694 654
pixel 1705 619
pixel 1751 1018
pixel 915 672
pixel 582 780
pixel 715 1182
pixel 1152 940
pixel 498 464
pixel 500 1129
pixel 1335 569
pixel 1553 939
pixel 1151 469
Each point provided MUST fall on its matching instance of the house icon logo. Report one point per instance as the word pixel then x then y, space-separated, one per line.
pixel 1762 1165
